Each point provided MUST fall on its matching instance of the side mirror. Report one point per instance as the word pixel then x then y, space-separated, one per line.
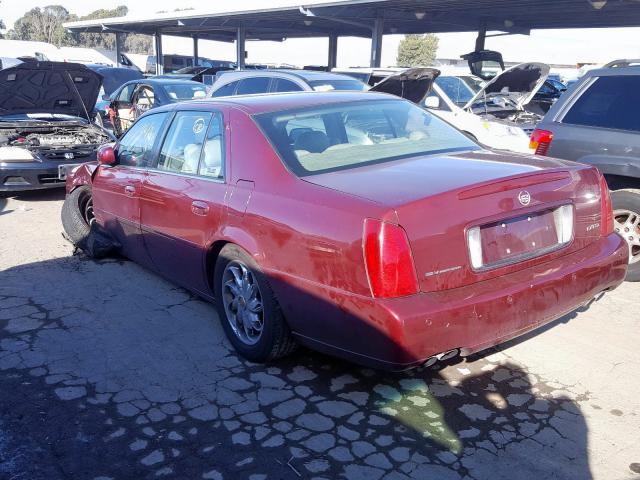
pixel 432 102
pixel 106 155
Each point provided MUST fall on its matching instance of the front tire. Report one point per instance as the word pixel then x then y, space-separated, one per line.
pixel 626 215
pixel 80 226
pixel 248 309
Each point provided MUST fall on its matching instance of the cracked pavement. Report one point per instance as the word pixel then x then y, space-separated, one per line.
pixel 107 371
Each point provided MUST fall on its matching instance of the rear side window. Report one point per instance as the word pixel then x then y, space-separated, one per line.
pixel 253 85
pixel 136 146
pixel 610 102
pixel 283 85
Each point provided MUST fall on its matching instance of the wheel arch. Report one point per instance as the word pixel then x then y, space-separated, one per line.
pixel 234 236
pixel 83 175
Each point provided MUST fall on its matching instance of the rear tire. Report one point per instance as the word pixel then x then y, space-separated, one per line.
pixel 273 339
pixel 80 226
pixel 626 204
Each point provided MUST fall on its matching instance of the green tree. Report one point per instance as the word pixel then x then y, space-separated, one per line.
pixel 417 50
pixel 43 25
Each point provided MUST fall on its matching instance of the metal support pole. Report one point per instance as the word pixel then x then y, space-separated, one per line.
pixel 159 57
pixel 333 52
pixel 240 48
pixel 482 35
pixel 196 58
pixel 118 46
pixel 376 42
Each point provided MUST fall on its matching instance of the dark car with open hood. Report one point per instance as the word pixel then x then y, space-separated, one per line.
pixel 45 125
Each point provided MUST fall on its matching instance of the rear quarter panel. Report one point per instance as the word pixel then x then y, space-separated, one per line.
pixel 306 238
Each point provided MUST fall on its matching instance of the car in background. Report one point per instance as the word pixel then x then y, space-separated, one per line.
pixel 546 96
pixel 136 97
pixel 496 119
pixel 112 80
pixel 45 124
pixel 206 75
pixel 172 62
pixel 354 223
pixel 597 123
pixel 245 82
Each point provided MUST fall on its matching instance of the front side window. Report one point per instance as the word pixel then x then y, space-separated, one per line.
pixel 253 85
pixel 456 89
pixel 348 135
pixel 226 90
pixel 194 145
pixel 609 102
pixel 126 92
pixel 136 146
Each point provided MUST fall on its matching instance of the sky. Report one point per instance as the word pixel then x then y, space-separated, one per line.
pixel 551 46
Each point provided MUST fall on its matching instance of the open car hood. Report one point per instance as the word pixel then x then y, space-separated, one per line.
pixel 520 82
pixel 49 87
pixel 413 84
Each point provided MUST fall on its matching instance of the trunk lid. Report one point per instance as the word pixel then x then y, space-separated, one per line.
pixel 49 87
pixel 520 83
pixel 514 202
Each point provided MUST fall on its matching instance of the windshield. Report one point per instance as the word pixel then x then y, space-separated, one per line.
pixel 349 135
pixel 331 84
pixel 456 89
pixel 185 91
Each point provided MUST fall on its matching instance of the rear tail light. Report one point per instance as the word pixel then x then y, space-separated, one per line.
pixel 388 260
pixel 606 208
pixel 540 141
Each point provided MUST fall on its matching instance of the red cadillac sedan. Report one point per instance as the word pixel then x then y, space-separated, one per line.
pixel 353 223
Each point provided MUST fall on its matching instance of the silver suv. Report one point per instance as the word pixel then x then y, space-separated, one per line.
pixel 598 122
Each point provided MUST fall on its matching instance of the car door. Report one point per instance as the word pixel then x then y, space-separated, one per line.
pixel 116 189
pixel 183 196
pixel 121 107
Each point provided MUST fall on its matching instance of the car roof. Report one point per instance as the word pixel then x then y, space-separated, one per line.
pixel 599 72
pixel 165 81
pixel 308 75
pixel 273 102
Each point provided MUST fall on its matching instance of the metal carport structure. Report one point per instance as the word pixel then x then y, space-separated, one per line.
pixel 369 19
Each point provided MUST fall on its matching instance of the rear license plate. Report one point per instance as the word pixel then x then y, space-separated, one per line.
pixel 519 238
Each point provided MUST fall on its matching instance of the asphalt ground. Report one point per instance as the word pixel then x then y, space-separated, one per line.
pixel 108 371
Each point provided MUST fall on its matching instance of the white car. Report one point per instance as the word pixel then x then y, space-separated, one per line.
pixel 493 113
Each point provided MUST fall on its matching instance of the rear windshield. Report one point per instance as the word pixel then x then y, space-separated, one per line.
pixel 328 85
pixel 353 134
pixel 186 91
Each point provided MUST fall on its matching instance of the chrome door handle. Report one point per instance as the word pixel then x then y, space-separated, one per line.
pixel 129 190
pixel 199 208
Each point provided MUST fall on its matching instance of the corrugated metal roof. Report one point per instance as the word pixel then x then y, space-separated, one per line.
pixel 356 18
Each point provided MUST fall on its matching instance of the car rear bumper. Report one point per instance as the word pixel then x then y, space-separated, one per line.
pixel 397 334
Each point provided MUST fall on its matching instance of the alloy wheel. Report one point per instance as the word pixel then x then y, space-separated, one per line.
pixel 627 224
pixel 242 301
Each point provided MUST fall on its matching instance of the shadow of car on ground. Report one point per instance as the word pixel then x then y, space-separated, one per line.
pixel 122 373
